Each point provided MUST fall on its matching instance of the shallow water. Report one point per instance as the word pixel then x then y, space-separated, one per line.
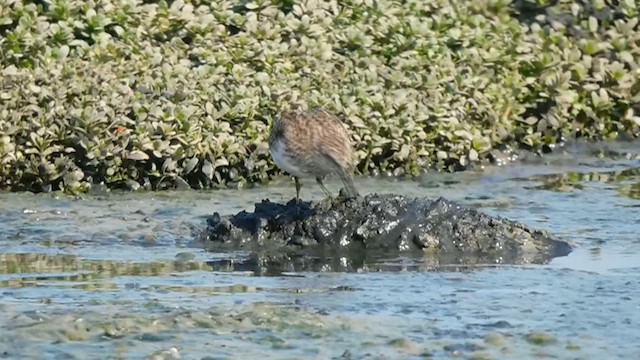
pixel 119 275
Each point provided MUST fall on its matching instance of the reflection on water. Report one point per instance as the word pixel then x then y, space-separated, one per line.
pixel 123 274
pixel 266 265
pixel 34 269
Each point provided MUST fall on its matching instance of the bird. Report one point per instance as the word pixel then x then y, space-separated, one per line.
pixel 313 143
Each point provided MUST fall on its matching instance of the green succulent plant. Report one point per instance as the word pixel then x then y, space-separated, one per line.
pixel 161 94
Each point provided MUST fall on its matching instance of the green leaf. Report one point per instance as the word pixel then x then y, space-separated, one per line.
pixel 473 155
pixel 137 155
pixel 593 24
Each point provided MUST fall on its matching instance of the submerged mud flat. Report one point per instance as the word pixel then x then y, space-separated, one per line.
pixel 380 223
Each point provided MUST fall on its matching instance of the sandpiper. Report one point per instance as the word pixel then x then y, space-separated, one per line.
pixel 313 143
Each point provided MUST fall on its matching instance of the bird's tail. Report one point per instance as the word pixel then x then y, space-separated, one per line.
pixel 347 179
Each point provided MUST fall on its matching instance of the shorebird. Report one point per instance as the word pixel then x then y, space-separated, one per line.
pixel 313 143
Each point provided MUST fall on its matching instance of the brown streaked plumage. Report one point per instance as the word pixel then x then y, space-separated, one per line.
pixel 313 143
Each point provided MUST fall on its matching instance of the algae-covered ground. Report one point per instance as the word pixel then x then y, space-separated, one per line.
pixel 159 94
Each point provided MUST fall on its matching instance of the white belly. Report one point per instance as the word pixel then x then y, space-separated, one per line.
pixel 283 161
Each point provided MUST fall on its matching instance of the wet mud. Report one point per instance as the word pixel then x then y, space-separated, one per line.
pixel 379 223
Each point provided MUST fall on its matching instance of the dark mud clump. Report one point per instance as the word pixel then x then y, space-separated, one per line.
pixel 384 225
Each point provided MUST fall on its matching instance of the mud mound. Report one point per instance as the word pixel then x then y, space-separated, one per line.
pixel 380 224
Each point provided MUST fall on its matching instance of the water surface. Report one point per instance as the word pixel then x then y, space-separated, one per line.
pixel 119 275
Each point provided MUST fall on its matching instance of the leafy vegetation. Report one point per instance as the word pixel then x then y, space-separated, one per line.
pixel 160 94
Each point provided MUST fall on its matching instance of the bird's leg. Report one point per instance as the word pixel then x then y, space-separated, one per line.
pixel 298 186
pixel 324 188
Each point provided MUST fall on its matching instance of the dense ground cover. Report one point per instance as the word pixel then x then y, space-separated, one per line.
pixel 158 94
